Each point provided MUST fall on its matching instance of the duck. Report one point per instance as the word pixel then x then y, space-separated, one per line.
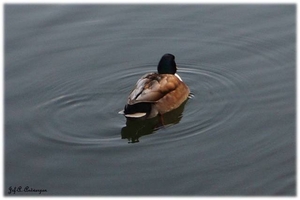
pixel 157 93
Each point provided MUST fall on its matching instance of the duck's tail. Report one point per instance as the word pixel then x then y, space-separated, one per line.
pixel 137 110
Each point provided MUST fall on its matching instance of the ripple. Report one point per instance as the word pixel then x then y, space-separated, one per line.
pixel 219 97
pixel 92 118
pixel 77 118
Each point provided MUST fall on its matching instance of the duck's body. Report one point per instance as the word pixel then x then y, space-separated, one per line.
pixel 157 93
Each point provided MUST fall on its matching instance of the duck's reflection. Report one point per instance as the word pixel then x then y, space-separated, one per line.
pixel 136 128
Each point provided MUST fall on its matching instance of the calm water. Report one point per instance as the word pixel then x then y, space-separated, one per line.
pixel 69 69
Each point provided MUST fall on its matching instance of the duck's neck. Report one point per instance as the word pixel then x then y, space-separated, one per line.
pixel 178 76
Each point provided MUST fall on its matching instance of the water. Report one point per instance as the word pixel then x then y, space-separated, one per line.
pixel 69 70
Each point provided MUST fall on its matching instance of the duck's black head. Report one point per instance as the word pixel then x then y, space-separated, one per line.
pixel 167 64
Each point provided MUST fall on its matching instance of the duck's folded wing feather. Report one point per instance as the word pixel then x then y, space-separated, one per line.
pixel 151 88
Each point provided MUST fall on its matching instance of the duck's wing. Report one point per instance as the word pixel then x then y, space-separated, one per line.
pixel 152 87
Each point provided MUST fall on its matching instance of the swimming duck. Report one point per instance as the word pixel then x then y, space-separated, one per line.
pixel 157 93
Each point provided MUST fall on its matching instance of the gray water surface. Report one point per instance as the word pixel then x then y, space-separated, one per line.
pixel 68 72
